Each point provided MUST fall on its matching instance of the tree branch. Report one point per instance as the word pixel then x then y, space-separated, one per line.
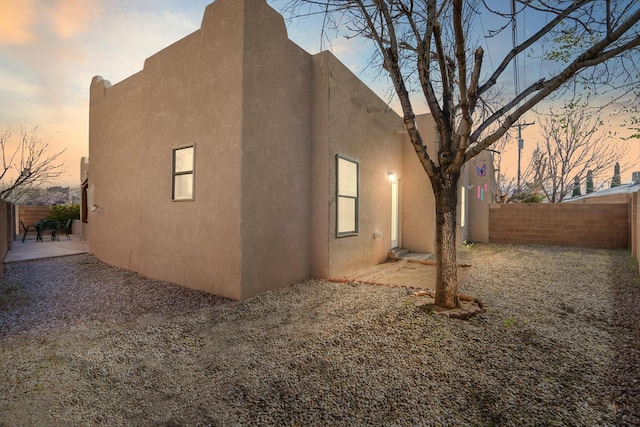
pixel 527 43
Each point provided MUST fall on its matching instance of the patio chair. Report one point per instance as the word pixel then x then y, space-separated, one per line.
pixel 49 226
pixel 67 229
pixel 28 228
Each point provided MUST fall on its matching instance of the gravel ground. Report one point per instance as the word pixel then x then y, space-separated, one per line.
pixel 83 343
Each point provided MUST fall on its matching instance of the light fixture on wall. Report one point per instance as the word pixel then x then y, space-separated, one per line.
pixel 95 208
pixel 392 176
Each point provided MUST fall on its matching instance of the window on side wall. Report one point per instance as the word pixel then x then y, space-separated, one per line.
pixel 183 173
pixel 347 176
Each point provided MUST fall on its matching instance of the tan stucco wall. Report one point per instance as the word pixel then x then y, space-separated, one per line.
pixel 418 213
pixel 362 128
pixel 320 233
pixel 478 207
pixel 276 150
pixel 188 93
pixel 6 230
pixel 115 185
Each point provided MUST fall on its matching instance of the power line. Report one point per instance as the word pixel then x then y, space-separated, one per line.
pixel 514 40
pixel 486 43
pixel 516 85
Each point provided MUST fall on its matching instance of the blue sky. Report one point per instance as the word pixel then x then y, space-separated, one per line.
pixel 51 49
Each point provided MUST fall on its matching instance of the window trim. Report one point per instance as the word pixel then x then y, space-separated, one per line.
pixel 175 174
pixel 356 198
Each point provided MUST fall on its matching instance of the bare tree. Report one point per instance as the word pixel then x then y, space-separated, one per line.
pixel 530 190
pixel 505 185
pixel 26 164
pixel 573 145
pixel 427 40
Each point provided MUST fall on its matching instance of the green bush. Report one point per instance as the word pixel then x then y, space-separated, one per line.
pixel 62 213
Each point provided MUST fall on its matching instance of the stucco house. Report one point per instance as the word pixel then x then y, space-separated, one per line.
pixel 235 162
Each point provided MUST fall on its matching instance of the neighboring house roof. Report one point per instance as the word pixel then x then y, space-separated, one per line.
pixel 615 191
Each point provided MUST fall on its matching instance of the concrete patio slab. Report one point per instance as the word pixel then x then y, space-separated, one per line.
pixel 30 249
pixel 413 273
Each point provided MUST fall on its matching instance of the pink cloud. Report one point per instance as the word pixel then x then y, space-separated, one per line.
pixel 16 22
pixel 71 17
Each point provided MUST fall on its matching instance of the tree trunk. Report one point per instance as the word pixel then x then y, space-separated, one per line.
pixel 446 264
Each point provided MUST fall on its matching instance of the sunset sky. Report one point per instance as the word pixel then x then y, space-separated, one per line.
pixel 51 49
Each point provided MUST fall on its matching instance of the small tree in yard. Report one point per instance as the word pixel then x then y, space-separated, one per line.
pixel 528 193
pixel 427 42
pixel 63 213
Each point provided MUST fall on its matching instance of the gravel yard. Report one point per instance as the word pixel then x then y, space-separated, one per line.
pixel 83 343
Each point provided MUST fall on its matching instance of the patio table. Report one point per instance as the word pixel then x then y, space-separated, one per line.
pixel 47 226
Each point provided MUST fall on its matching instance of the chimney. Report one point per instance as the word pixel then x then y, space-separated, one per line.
pixel 635 177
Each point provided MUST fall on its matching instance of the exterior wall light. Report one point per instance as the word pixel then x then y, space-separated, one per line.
pixel 392 176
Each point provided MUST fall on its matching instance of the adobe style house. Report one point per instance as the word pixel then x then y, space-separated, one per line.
pixel 235 162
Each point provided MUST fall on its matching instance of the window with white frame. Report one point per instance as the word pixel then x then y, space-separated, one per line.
pixel 347 196
pixel 183 173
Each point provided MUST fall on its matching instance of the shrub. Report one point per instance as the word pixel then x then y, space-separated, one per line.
pixel 62 213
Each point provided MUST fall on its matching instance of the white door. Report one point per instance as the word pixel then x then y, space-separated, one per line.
pixel 394 214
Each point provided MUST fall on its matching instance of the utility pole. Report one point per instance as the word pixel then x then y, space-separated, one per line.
pixel 521 146
pixel 516 84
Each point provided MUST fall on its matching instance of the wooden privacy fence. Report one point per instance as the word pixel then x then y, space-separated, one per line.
pixel 593 225
pixel 32 214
